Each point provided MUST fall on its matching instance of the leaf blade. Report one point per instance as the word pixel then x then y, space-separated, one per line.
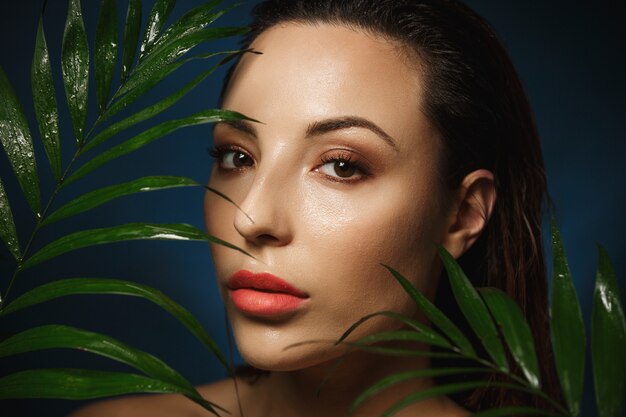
pixel 66 337
pixel 18 144
pixel 8 234
pixel 44 100
pixel 131 36
pixel 566 328
pixel 75 286
pixel 101 196
pixel 194 20
pixel 105 51
pixel 434 314
pixel 515 330
pixel 608 340
pixel 77 384
pixel 435 338
pixel 395 336
pixel 75 68
pixel 158 16
pixel 394 379
pixel 474 309
pixel 152 70
pixel 146 113
pixel 125 232
pixel 149 135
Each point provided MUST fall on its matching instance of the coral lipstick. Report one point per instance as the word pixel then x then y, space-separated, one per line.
pixel 263 294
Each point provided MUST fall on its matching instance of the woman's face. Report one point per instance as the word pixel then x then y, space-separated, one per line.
pixel 340 176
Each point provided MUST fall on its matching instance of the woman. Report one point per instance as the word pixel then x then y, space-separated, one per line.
pixel 387 127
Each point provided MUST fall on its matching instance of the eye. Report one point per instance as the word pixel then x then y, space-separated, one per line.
pixel 231 158
pixel 340 167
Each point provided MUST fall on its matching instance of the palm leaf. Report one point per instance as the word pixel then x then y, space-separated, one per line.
pixel 515 330
pixel 567 329
pixel 18 144
pixel 158 43
pixel 58 336
pixel 44 100
pixel 474 309
pixel 121 233
pixel 159 15
pixel 104 195
pixel 8 234
pixel 105 51
pixel 155 132
pixel 435 338
pixel 194 20
pixel 608 340
pixel 399 336
pixel 187 33
pixel 434 314
pixel 394 379
pixel 77 384
pixel 131 36
pixel 165 62
pixel 75 286
pixel 393 351
pixel 150 111
pixel 75 66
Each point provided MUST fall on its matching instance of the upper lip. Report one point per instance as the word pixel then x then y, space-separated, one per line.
pixel 262 281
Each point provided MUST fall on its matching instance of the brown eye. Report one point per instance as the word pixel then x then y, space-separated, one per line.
pixel 344 169
pixel 235 159
pixel 240 159
pixel 341 169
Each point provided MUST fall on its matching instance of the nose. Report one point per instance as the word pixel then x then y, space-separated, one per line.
pixel 265 212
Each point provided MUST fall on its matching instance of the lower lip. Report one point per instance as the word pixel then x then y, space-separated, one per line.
pixel 265 304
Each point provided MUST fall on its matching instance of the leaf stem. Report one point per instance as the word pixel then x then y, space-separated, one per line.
pixel 37 227
pixel 57 188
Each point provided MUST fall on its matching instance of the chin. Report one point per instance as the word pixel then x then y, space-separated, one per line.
pixel 286 357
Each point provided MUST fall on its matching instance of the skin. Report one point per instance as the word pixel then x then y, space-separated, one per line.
pixel 328 94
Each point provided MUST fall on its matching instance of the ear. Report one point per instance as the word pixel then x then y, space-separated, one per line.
pixel 471 211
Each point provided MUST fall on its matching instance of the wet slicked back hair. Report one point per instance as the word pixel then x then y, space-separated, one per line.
pixel 475 100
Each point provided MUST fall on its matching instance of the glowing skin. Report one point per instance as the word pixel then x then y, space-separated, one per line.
pixel 323 236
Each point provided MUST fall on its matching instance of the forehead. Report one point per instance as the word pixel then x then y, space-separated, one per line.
pixel 316 71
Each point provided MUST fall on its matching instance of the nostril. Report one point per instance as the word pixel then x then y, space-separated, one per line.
pixel 266 238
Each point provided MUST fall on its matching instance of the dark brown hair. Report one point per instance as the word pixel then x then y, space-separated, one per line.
pixel 475 100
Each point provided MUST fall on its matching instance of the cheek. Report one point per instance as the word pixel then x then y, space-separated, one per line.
pixel 352 234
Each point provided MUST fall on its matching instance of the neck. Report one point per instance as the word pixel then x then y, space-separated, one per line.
pixel 330 389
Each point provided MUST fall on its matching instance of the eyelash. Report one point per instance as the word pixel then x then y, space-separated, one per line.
pixel 348 158
pixel 218 152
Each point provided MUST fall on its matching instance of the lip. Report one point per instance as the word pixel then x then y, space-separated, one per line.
pixel 263 294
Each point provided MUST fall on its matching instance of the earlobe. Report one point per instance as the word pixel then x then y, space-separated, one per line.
pixel 472 209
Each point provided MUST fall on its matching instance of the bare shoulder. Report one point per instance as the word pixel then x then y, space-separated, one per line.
pixel 165 405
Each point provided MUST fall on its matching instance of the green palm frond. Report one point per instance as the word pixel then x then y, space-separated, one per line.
pixel 498 322
pixel 144 62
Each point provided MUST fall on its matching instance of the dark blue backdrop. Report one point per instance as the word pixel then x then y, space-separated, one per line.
pixel 570 54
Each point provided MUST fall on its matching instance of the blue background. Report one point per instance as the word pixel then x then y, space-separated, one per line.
pixel 570 55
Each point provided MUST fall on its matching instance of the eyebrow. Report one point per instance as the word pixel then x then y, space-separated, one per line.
pixel 330 125
pixel 321 127
pixel 242 126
